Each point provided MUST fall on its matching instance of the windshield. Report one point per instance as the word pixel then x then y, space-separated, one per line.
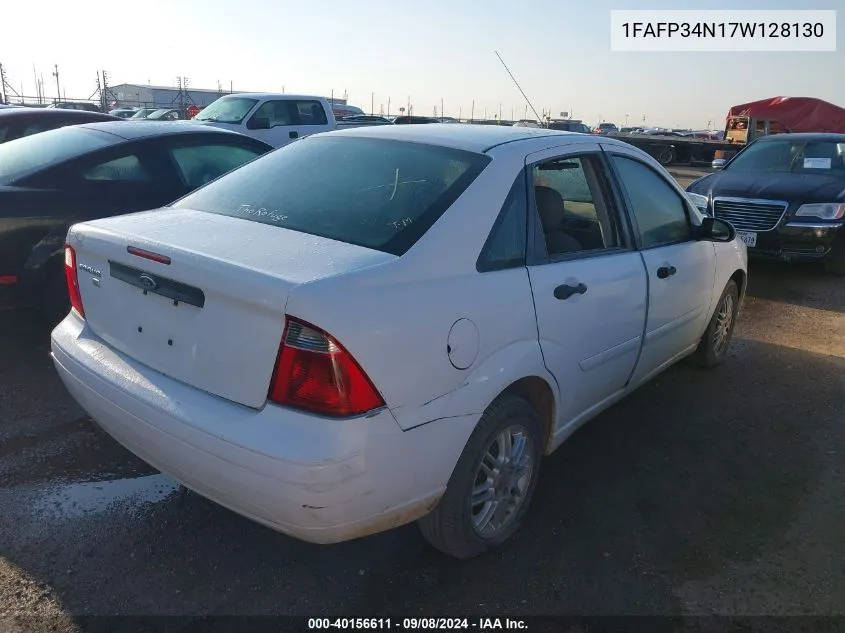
pixel 821 157
pixel 158 114
pixel 227 110
pixel 48 148
pixel 378 193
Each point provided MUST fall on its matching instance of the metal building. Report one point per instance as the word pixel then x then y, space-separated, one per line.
pixel 149 96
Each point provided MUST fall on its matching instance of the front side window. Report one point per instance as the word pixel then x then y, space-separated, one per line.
pixel 227 110
pixel 200 164
pixel 378 193
pixel 659 211
pixel 272 113
pixel 571 205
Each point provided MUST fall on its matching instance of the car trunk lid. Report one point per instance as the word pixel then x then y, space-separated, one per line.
pixel 201 297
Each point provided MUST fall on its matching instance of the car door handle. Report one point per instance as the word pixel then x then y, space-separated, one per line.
pixel 564 291
pixel 293 134
pixel 666 271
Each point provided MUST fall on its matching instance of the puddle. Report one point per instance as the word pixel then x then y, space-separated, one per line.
pixel 77 500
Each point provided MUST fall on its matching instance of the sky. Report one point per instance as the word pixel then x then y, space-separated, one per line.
pixel 422 52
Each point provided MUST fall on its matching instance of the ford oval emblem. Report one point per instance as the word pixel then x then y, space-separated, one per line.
pixel 148 282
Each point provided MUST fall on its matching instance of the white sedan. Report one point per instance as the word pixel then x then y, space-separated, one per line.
pixel 388 324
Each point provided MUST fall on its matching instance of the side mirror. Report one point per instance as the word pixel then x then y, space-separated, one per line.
pixel 716 230
pixel 718 163
pixel 259 123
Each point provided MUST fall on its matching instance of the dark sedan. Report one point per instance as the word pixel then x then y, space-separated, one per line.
pixel 785 195
pixel 83 172
pixel 19 122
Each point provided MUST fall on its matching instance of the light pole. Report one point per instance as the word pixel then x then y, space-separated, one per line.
pixel 626 120
pixel 56 75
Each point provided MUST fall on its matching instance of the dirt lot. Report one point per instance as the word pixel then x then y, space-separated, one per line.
pixel 719 491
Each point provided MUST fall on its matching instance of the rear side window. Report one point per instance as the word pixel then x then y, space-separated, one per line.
pixel 200 164
pixel 48 148
pixel 311 113
pixel 378 193
pixel 505 247
pixel 123 169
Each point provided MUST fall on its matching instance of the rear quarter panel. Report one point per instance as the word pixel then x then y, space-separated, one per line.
pixel 395 318
pixel 27 219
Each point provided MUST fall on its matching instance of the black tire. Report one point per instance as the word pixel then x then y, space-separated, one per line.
pixel 665 156
pixel 713 348
pixel 54 302
pixel 835 262
pixel 449 527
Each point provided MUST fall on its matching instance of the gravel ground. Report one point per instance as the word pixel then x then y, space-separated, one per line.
pixel 718 491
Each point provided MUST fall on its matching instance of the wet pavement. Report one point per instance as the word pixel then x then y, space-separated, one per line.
pixel 707 491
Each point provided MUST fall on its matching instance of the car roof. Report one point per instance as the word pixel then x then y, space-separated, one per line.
pixel 830 137
pixel 131 130
pixel 464 136
pixel 273 95
pixel 54 112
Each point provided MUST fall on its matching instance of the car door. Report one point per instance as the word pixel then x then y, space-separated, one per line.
pixel 199 161
pixel 681 269
pixel 588 283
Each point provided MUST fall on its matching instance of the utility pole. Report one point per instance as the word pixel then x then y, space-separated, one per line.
pixel 442 113
pixel 388 106
pixel 372 103
pixel 56 75
pixel 472 113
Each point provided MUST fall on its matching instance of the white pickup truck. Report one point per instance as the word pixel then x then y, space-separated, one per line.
pixel 276 119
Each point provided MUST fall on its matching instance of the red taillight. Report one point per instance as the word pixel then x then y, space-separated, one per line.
pixel 73 280
pixel 316 373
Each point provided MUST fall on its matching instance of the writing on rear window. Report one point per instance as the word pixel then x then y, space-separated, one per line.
pixel 273 216
pixel 377 193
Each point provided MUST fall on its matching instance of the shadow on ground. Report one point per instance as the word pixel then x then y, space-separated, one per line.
pixel 697 472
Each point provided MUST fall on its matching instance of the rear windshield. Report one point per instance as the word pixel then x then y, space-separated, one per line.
pixel 25 154
pixel 784 155
pixel 378 193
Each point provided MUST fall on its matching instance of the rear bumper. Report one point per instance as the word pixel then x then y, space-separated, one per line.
pixel 317 479
pixel 795 241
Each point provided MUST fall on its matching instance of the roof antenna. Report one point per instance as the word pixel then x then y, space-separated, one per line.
pixel 539 118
